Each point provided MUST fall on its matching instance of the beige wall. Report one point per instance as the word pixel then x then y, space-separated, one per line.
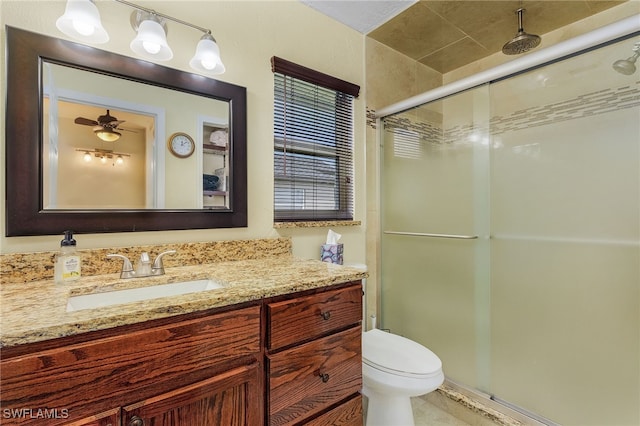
pixel 249 33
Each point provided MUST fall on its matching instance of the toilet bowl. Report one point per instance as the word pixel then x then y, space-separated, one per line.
pixel 394 369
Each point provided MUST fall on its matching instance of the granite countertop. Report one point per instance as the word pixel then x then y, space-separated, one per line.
pixel 36 311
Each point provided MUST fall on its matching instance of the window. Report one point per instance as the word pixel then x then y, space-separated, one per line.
pixel 313 144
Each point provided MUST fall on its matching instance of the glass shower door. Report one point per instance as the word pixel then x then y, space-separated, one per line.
pixel 511 237
pixel 435 224
pixel 565 207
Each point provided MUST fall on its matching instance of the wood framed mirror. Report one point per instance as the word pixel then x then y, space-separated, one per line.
pixel 30 130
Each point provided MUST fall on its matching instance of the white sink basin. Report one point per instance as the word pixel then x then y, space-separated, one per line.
pixel 117 297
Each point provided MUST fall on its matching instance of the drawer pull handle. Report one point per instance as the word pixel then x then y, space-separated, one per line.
pixel 136 421
pixel 324 377
pixel 325 315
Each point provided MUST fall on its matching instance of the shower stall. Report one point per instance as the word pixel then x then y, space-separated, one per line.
pixel 510 238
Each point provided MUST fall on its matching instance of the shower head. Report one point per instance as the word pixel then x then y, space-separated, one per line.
pixel 523 41
pixel 627 66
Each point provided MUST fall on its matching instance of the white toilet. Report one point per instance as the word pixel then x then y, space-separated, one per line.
pixel 394 369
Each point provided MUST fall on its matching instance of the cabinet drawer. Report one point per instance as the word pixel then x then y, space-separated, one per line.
pixel 346 414
pixel 93 376
pixel 305 318
pixel 306 379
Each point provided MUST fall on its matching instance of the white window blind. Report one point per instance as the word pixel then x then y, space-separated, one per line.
pixel 313 150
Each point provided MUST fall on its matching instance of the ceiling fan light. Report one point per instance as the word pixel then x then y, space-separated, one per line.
pixel 207 57
pixel 107 135
pixel 81 21
pixel 151 40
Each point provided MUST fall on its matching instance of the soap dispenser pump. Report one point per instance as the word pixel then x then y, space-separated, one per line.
pixel 67 261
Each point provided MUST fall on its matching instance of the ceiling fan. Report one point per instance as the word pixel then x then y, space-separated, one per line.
pixel 105 127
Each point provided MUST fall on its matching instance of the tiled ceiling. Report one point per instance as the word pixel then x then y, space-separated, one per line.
pixel 447 34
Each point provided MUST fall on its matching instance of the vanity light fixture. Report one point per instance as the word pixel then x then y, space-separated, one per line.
pixel 151 34
pixel 104 155
pixel 81 21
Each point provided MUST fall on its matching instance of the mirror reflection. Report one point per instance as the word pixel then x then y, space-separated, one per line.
pixel 112 143
pixel 61 96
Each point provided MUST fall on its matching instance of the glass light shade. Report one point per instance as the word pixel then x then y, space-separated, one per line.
pixel 119 160
pixel 151 41
pixel 108 135
pixel 86 157
pixel 81 21
pixel 207 58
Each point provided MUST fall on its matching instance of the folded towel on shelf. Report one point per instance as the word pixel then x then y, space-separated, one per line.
pixel 218 138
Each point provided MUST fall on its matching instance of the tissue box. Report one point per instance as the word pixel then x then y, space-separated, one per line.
pixel 331 253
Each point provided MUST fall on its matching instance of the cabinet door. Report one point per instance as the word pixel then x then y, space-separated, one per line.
pixel 229 399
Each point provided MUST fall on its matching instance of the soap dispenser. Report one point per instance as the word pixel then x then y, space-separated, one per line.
pixel 67 261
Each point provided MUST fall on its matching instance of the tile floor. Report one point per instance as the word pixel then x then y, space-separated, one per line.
pixel 436 409
pixel 427 414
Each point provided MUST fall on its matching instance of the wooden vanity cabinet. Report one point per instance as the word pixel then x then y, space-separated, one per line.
pixel 314 364
pixel 196 371
pixel 288 360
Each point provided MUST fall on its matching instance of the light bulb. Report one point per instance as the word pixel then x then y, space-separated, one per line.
pixel 119 160
pixel 86 157
pixel 208 63
pixel 103 159
pixel 151 47
pixel 83 28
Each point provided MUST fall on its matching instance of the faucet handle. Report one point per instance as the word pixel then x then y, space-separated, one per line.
pixel 127 268
pixel 158 266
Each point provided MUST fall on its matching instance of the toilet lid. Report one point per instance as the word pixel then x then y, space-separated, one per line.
pixel 397 354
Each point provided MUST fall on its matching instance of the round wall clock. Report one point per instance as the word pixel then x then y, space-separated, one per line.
pixel 181 145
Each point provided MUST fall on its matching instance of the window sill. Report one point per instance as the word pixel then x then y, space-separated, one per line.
pixel 316 224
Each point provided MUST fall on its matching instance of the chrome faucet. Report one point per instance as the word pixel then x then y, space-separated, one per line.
pixel 143 268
